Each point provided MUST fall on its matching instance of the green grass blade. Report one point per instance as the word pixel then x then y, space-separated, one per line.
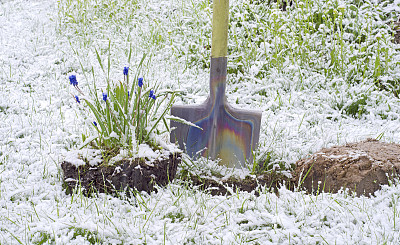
pixel 99 59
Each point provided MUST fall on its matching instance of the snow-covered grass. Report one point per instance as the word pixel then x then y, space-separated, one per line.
pixel 323 73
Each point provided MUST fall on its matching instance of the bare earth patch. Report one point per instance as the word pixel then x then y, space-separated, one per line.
pixel 134 173
pixel 221 186
pixel 362 167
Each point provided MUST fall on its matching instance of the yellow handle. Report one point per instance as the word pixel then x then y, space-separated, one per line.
pixel 219 47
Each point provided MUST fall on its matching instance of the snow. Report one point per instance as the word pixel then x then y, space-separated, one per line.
pixel 40 127
pixel 74 159
pixel 78 157
pixel 145 151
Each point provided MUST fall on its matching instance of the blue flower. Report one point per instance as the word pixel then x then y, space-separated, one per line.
pixel 105 97
pixel 140 81
pixel 129 94
pixel 95 123
pixel 77 99
pixel 152 95
pixel 126 69
pixel 72 80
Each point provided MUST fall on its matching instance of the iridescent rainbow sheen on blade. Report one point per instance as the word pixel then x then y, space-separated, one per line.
pixel 224 135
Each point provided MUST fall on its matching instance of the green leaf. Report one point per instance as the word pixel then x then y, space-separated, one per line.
pixel 162 116
pixel 181 120
pixel 130 53
pixel 166 124
pixel 97 115
pixel 353 8
pixel 83 137
pixel 99 59
pixel 109 61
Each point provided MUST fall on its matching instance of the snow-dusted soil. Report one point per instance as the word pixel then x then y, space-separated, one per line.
pixel 38 126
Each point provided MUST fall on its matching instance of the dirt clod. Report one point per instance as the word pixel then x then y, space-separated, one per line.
pixel 361 167
pixel 135 174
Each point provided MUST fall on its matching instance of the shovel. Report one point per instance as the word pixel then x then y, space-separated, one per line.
pixel 217 130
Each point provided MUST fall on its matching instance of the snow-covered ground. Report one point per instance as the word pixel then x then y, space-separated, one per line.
pixel 39 125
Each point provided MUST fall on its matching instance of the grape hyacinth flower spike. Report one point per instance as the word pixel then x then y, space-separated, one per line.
pixel 77 99
pixel 105 97
pixel 126 70
pixel 152 95
pixel 73 81
pixel 140 81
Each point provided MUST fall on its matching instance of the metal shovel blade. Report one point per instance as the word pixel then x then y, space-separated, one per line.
pixel 227 133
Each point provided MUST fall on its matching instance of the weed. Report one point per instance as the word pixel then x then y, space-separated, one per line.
pixel 91 237
pixel 175 216
pixel 44 238
pixel 357 108
pixel 265 162
pixel 3 109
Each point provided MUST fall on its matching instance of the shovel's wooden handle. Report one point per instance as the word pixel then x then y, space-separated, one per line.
pixel 219 47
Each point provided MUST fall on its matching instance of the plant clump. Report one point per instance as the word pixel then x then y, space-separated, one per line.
pixel 125 119
pixel 124 115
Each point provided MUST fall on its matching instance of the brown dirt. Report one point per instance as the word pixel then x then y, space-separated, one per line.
pixel 216 186
pixel 362 167
pixel 135 174
pixel 397 34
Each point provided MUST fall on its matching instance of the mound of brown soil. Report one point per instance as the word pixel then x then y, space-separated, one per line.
pixel 362 167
